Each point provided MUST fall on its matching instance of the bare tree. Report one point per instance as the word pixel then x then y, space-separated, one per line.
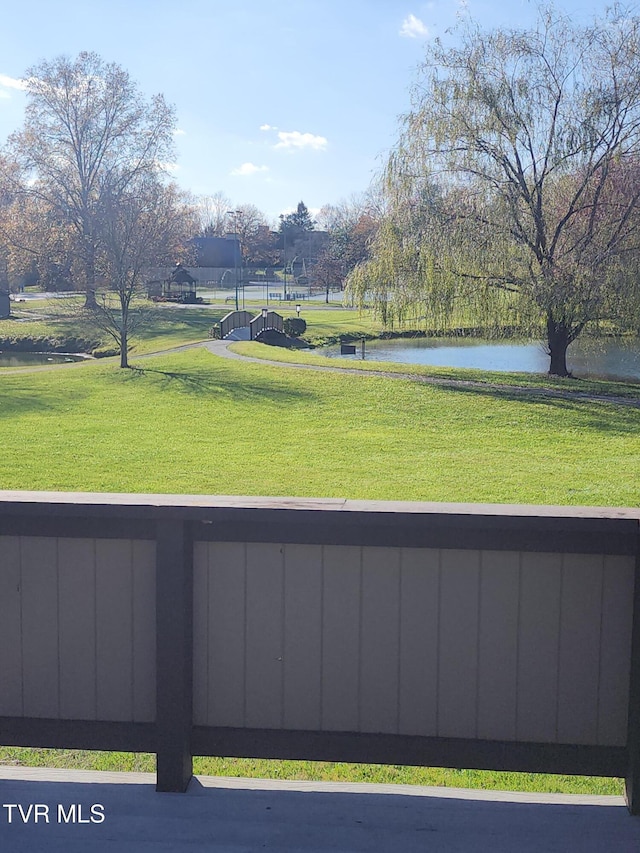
pixel 506 189
pixel 148 225
pixel 88 135
pixel 247 223
pixel 213 214
pixel 351 226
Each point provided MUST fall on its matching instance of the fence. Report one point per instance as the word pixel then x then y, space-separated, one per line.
pixel 260 323
pixel 497 637
pixel 234 320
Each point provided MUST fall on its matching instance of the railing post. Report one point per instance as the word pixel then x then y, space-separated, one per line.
pixel 632 781
pixel 174 655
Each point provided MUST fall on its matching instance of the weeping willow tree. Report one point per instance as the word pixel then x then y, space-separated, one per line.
pixel 514 191
pixel 425 268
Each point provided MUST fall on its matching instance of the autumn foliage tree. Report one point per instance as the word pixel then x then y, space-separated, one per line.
pixel 88 136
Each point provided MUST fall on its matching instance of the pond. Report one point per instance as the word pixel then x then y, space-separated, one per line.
pixel 34 359
pixel 605 358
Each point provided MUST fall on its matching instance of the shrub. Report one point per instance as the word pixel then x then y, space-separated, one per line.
pixel 45 343
pixel 105 352
pixel 294 327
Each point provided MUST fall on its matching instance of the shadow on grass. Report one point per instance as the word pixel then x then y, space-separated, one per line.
pixel 165 322
pixel 210 384
pixel 15 402
pixel 601 415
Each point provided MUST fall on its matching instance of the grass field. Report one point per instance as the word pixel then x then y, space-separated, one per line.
pixel 193 423
pixel 169 326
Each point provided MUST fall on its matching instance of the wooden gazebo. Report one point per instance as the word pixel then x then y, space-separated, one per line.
pixel 180 286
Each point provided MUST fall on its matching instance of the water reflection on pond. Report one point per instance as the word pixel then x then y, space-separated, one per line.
pixel 596 357
pixel 34 359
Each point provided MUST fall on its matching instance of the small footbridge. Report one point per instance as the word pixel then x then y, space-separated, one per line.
pixel 243 325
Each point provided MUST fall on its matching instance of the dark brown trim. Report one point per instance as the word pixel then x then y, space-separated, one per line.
pixel 473 532
pixel 174 655
pixel 79 527
pixel 632 773
pixel 409 750
pixel 487 527
pixel 323 746
pixel 77 734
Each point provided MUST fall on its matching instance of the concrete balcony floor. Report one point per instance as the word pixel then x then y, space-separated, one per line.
pixel 239 815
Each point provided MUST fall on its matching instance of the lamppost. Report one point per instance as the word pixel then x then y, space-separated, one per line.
pixel 284 237
pixel 265 312
pixel 237 251
pixel 298 309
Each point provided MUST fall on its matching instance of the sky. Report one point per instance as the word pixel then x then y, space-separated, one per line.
pixel 277 102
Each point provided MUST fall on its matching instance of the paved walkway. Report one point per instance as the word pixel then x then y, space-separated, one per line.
pixel 242 815
pixel 221 348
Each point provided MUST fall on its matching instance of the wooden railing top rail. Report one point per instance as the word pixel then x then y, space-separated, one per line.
pixel 600 530
pixel 9 498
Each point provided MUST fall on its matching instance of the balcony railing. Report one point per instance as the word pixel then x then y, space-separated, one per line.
pixel 480 636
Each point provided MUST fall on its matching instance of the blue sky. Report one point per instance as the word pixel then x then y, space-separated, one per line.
pixel 276 101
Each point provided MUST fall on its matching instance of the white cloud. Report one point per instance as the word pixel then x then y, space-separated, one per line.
pixel 179 132
pixel 295 139
pixel 413 28
pixel 7 82
pixel 268 127
pixel 12 82
pixel 249 169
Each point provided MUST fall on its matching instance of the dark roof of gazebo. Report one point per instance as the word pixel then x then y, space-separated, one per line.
pixel 180 275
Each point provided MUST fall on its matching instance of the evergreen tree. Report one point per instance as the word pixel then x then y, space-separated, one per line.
pixel 298 222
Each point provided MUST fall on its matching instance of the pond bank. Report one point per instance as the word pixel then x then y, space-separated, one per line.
pixel 611 358
pixel 288 358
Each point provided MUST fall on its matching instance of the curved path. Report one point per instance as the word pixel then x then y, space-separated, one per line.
pixel 221 349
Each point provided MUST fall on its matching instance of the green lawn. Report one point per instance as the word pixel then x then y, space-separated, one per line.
pixel 168 326
pixel 330 325
pixel 194 423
